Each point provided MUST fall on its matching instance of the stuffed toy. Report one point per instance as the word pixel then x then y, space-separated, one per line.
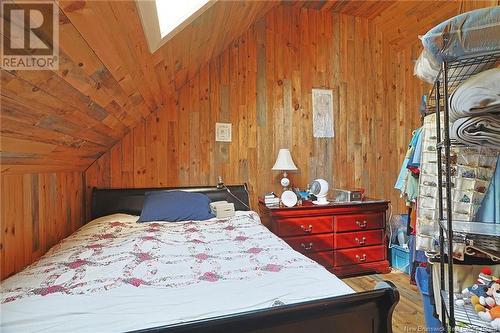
pixel 492 298
pixel 477 291
pixel 492 301
pixel 484 295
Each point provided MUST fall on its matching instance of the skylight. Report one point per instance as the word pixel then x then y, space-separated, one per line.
pixel 172 14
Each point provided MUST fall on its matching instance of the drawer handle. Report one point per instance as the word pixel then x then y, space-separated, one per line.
pixel 362 241
pixel 309 229
pixel 361 259
pixel 307 247
pixel 362 225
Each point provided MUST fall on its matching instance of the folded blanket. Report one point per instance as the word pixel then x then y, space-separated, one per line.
pixel 479 94
pixel 483 130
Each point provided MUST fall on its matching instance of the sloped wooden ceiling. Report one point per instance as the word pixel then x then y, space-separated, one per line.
pixel 107 81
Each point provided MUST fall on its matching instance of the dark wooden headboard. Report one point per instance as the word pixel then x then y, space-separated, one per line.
pixel 131 200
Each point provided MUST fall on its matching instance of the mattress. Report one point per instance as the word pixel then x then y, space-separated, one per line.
pixel 116 275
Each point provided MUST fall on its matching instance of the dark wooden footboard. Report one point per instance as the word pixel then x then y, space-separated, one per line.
pixel 369 311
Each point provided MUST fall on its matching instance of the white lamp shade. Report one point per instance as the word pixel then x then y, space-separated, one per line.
pixel 284 161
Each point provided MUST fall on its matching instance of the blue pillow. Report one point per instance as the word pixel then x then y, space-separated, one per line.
pixel 175 206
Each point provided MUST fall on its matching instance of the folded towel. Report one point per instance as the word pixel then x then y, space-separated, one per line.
pixel 483 130
pixel 479 94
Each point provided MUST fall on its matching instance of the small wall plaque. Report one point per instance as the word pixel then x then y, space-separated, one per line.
pixel 223 132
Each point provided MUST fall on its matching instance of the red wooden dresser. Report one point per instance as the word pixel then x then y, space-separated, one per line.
pixel 347 238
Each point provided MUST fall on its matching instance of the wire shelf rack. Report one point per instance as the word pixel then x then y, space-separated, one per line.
pixel 451 75
pixel 466 318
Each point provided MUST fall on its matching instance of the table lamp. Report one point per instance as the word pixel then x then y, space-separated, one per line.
pixel 284 163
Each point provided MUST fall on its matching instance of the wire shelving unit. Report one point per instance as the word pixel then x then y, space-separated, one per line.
pixel 451 75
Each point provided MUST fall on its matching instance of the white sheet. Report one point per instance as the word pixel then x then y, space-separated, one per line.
pixel 482 130
pixel 479 95
pixel 158 274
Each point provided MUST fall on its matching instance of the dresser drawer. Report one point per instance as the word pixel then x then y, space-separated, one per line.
pixel 358 222
pixel 314 243
pixel 359 255
pixel 296 226
pixel 357 239
pixel 324 258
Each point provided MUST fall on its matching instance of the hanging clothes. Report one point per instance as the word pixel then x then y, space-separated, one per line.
pixel 407 181
pixel 414 160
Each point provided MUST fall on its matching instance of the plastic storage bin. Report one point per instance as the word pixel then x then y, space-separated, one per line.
pixel 400 258
pixel 422 278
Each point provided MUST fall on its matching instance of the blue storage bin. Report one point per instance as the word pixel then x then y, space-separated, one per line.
pixel 432 323
pixel 400 258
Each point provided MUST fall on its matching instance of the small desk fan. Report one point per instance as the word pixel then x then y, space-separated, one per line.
pixel 319 188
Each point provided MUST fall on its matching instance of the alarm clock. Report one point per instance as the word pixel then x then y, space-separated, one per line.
pixel 288 198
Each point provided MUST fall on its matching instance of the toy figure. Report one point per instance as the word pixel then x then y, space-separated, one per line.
pixel 492 301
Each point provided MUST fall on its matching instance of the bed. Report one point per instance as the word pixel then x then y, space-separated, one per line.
pixel 219 275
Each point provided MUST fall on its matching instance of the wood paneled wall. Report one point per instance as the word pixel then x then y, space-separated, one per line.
pixel 262 85
pixel 37 211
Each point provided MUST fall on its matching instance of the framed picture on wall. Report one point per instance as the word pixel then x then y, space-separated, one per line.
pixel 322 105
pixel 223 132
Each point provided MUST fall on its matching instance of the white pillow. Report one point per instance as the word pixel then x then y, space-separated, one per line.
pixel 426 68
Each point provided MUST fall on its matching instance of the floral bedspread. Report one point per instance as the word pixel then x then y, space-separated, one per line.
pixel 113 259
pixel 111 253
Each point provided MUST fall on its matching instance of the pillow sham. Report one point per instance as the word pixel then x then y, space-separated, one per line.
pixel 175 206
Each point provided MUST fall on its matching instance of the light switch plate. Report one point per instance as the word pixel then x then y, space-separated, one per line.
pixel 223 132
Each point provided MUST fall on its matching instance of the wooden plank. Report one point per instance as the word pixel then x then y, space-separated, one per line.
pixel 194 139
pixel 183 137
pixel 206 129
pixel 260 31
